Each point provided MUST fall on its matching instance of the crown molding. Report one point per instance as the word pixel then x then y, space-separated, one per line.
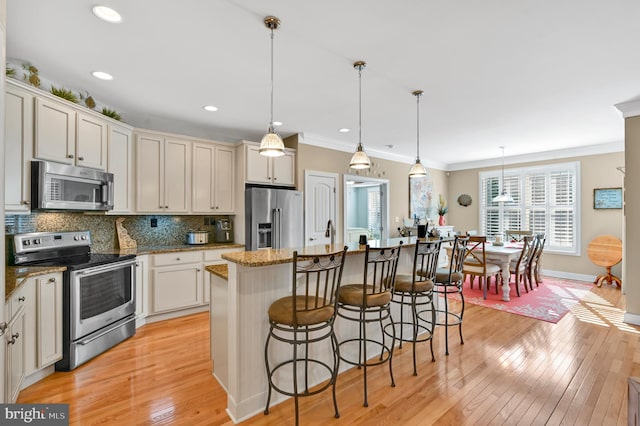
pixel 629 109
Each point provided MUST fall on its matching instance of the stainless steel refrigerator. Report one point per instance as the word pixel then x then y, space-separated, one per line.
pixel 273 218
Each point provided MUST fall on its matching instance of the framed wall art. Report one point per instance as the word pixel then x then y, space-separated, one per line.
pixel 607 198
pixel 420 197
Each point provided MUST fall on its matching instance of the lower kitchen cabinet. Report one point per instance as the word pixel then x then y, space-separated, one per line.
pixel 142 289
pixel 176 287
pixel 34 337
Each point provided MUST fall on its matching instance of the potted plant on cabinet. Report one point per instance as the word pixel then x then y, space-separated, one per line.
pixel 442 210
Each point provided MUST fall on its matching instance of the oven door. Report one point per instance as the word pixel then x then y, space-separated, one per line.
pixel 100 296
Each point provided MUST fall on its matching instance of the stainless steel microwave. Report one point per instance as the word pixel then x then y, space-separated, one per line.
pixel 56 186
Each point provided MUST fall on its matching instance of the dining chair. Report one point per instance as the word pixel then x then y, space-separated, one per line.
pixel 516 235
pixel 534 268
pixel 369 302
pixel 520 270
pixel 449 281
pixel 306 318
pixel 475 264
pixel 415 293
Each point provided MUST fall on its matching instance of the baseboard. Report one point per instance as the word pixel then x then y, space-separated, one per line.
pixel 633 319
pixel 568 275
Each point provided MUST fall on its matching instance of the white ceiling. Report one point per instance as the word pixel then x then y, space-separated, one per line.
pixel 531 75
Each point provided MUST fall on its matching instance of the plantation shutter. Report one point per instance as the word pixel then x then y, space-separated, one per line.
pixel 373 217
pixel 545 201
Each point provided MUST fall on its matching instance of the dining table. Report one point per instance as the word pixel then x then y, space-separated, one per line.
pixel 501 255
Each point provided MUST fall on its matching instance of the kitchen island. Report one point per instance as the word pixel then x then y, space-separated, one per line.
pixel 239 320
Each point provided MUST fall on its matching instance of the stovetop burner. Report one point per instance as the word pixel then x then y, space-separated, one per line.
pixel 84 261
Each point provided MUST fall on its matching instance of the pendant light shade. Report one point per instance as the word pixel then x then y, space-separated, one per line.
pixel 360 159
pixel 417 170
pixel 271 144
pixel 504 195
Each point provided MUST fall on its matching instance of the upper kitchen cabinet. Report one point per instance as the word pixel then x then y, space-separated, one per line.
pixel 163 174
pixel 18 140
pixel 213 178
pixel 120 163
pixel 65 135
pixel 269 170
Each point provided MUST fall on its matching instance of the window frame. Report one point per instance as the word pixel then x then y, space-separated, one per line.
pixel 520 205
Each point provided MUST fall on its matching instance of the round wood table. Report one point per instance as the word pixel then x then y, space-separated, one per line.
pixel 606 250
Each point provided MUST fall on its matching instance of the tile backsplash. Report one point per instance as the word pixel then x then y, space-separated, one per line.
pixel 170 230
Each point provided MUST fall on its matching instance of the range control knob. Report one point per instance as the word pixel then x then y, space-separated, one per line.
pixel 26 243
pixel 84 237
pixel 36 241
pixel 76 238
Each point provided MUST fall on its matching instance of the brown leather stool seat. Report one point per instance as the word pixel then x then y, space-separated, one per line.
pixel 303 321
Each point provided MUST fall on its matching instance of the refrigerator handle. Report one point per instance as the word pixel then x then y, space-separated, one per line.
pixel 275 233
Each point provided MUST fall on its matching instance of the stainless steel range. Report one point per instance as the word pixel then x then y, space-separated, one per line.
pixel 98 303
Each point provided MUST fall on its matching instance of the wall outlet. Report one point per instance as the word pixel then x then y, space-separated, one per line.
pixel 154 223
pixel 397 219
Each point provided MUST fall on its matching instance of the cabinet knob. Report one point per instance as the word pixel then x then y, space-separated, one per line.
pixel 52 280
pixel 275 178
pixel 13 338
pixel 312 239
pixel 69 155
pixel 198 269
pixel 178 259
pixel 166 207
pixel 81 158
pixel 21 299
pixel 26 202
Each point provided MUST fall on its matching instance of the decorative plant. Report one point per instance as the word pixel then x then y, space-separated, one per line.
pixel 442 206
pixel 65 94
pixel 88 100
pixel 32 76
pixel 111 113
pixel 10 72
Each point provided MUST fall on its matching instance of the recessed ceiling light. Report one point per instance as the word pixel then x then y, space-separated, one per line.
pixel 102 75
pixel 210 108
pixel 344 130
pixel 390 146
pixel 277 123
pixel 107 14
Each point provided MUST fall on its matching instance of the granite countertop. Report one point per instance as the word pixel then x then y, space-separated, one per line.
pixel 159 249
pixel 220 270
pixel 15 276
pixel 277 256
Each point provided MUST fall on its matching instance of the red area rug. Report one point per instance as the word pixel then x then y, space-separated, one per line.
pixel 548 302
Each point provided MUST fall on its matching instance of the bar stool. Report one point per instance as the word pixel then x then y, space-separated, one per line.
pixel 449 281
pixel 305 318
pixel 415 291
pixel 370 302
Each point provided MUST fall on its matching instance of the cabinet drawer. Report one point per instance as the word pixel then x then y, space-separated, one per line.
pixel 178 258
pixel 18 300
pixel 214 255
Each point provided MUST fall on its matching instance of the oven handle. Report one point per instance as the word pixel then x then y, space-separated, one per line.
pixel 105 331
pixel 103 268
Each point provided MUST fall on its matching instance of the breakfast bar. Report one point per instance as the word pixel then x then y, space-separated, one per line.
pixel 239 320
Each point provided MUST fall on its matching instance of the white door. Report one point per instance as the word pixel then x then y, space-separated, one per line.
pixel 320 194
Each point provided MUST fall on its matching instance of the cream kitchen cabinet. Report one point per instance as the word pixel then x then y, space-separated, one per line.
pixel 176 281
pixel 14 357
pixel 120 163
pixel 269 170
pixel 213 257
pixel 49 319
pixel 213 179
pixel 163 174
pixel 142 289
pixel 18 142
pixel 66 135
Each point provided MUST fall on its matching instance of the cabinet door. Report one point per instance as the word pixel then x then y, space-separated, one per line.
pixel 224 179
pixel 141 286
pixel 55 132
pixel 24 298
pixel 18 143
pixel 149 174
pixel 15 366
pixel 203 178
pixel 120 163
pixel 284 169
pixel 49 319
pixel 257 166
pixel 91 142
pixel 177 176
pixel 175 288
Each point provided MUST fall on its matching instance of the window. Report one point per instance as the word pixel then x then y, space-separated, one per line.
pixel 374 222
pixel 545 200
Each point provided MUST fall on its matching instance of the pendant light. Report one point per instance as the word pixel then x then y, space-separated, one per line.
pixel 360 159
pixel 271 144
pixel 417 170
pixel 504 195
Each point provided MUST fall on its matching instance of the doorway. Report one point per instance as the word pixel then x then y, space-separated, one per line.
pixel 366 207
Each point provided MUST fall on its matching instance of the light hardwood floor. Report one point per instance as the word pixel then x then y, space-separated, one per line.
pixel 511 370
